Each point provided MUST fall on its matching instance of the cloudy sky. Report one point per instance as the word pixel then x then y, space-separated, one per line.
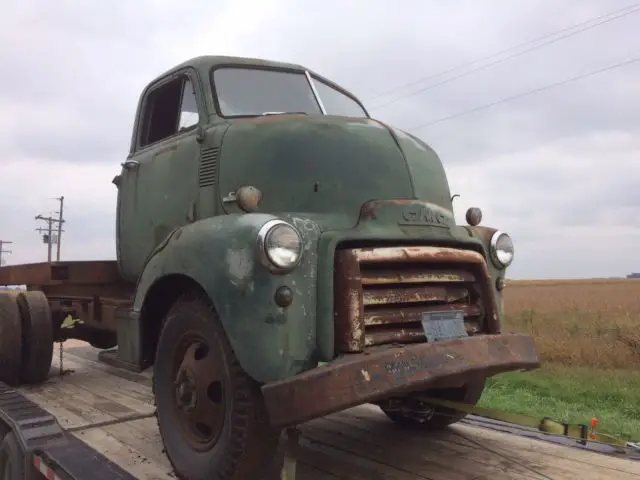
pixel 556 167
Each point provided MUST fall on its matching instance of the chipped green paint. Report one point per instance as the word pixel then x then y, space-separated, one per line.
pixel 176 213
pixel 271 342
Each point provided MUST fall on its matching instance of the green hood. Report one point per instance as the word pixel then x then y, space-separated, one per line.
pixel 328 164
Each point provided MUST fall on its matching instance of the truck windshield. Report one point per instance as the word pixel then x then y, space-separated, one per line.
pixel 252 91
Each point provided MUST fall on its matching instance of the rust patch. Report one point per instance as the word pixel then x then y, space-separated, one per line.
pixel 384 316
pixel 369 209
pixel 485 233
pixel 348 306
pixel 385 296
pixel 414 275
pixel 361 378
pixel 411 334
pixel 417 254
pixel 272 118
pixel 396 286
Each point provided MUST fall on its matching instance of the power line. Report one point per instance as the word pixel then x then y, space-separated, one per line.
pixel 628 11
pixel 527 93
pixel 3 251
pixel 633 8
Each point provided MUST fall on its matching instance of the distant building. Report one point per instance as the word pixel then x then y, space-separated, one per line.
pixel 633 275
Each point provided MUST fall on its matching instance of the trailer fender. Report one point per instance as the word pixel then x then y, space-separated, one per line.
pixel 220 255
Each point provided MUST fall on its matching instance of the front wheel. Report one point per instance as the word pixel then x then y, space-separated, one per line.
pixel 211 415
pixel 408 412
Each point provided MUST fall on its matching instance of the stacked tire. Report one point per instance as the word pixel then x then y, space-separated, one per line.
pixel 26 338
pixel 26 351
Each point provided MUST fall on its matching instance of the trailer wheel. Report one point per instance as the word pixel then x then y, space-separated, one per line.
pixel 11 459
pixel 425 417
pixel 37 335
pixel 10 340
pixel 211 414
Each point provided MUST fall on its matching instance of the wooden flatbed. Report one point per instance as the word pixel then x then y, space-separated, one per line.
pixel 112 410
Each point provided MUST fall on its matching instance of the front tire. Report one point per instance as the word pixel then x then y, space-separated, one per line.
pixel 431 417
pixel 211 415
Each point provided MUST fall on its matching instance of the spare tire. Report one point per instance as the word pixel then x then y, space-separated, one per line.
pixel 37 336
pixel 10 340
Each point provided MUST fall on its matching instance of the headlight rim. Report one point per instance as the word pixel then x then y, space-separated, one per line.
pixel 262 237
pixel 493 249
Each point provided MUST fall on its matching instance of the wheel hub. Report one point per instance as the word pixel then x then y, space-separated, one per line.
pixel 186 391
pixel 199 391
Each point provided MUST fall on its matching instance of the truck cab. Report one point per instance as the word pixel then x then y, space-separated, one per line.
pixel 213 125
pixel 281 256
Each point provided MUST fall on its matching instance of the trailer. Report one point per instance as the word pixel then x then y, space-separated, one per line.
pixel 98 421
pixel 281 257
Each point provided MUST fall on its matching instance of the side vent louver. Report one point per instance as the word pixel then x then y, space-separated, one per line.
pixel 208 166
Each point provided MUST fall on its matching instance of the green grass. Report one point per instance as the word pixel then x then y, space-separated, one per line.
pixel 571 394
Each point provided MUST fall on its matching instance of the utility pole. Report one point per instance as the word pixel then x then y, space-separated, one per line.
pixel 48 237
pixel 3 251
pixel 60 222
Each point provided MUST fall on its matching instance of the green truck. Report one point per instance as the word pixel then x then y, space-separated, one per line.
pixel 281 256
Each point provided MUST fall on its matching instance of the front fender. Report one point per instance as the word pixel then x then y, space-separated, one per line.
pixel 219 253
pixel 484 234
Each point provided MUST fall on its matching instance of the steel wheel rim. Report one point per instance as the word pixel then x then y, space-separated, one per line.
pixel 199 390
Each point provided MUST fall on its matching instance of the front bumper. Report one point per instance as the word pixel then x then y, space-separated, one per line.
pixel 380 372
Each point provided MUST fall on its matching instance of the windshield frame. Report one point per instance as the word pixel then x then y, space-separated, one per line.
pixel 308 74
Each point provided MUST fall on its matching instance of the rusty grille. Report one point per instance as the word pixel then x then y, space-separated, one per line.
pixel 381 293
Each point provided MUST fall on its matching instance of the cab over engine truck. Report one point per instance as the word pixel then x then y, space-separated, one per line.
pixel 280 256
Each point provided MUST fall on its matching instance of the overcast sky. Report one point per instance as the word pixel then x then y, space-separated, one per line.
pixel 558 169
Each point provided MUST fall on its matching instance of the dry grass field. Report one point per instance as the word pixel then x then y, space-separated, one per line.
pixel 593 323
pixel 588 334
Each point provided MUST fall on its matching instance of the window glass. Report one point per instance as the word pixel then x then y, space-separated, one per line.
pixel 189 106
pixel 169 108
pixel 337 103
pixel 252 91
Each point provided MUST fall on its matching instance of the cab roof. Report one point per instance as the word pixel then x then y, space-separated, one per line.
pixel 204 63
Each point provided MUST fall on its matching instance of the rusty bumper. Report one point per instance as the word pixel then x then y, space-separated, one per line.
pixel 381 372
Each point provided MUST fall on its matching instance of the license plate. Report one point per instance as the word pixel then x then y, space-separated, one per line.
pixel 443 325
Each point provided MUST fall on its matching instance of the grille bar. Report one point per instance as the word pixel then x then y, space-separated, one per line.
pixel 382 293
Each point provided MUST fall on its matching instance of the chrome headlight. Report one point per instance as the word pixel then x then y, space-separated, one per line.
pixel 501 249
pixel 279 245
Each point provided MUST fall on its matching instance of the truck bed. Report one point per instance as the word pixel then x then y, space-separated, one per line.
pixel 112 410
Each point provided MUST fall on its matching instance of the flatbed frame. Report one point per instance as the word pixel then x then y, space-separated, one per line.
pixel 109 415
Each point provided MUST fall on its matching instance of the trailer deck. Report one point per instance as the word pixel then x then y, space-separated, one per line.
pixel 112 410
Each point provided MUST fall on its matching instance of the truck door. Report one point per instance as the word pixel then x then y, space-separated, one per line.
pixel 158 187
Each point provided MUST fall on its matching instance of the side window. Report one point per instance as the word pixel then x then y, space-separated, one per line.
pixel 169 109
pixel 189 110
pixel 336 102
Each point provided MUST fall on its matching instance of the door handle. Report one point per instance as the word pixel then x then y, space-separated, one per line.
pixel 130 164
